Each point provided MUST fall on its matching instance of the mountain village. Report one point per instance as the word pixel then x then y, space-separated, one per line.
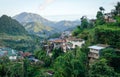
pixel 84 48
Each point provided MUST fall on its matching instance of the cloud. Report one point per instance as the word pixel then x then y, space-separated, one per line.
pixel 46 4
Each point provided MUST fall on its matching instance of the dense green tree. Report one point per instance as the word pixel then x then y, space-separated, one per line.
pixel 99 15
pixel 107 36
pixel 77 31
pixel 11 69
pixel 11 26
pixel 42 55
pixel 70 65
pixel 56 53
pixel 117 8
pixel 84 22
pixel 116 11
pixel 107 53
pixel 91 24
pixel 102 9
pixel 100 18
pixel 113 58
pixel 101 69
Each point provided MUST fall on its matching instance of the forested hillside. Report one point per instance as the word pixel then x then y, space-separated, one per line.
pixel 10 26
pixel 103 30
pixel 14 35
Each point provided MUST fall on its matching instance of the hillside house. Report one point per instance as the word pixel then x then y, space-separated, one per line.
pixel 66 43
pixel 50 73
pixel 109 18
pixel 75 42
pixel 94 52
pixel 53 44
pixel 59 43
pixel 64 46
pixel 66 34
pixel 12 55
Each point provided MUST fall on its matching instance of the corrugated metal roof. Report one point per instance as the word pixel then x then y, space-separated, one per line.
pixel 96 47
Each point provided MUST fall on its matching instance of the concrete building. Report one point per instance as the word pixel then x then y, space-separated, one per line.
pixel 76 42
pixel 94 52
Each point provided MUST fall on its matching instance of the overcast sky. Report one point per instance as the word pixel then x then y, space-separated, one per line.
pixel 56 10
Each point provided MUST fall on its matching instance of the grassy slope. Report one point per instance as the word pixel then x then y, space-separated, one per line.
pixel 20 42
pixel 37 27
pixel 12 37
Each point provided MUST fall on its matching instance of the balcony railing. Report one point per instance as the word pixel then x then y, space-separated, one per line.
pixel 93 56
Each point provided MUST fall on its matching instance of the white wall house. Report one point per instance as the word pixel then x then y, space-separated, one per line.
pixel 12 57
pixel 76 42
pixel 64 46
pixel 67 43
pixel 109 18
pixel 94 52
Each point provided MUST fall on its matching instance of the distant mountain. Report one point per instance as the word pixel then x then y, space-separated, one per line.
pixel 31 21
pixel 11 26
pixel 66 25
pixel 30 17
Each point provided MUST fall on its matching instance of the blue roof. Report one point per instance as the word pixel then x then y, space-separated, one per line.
pixel 1 53
pixel 10 51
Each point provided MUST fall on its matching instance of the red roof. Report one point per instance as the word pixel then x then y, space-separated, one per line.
pixel 26 54
pixel 58 40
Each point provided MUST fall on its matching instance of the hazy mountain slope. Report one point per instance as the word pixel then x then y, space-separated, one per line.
pixel 66 25
pixel 38 28
pixel 30 17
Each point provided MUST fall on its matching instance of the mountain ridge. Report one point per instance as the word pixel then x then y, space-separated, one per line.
pixel 31 17
pixel 25 18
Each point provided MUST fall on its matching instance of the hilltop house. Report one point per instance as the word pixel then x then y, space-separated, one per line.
pixel 109 18
pixel 94 52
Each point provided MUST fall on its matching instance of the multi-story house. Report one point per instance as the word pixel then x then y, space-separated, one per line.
pixel 95 50
pixel 75 42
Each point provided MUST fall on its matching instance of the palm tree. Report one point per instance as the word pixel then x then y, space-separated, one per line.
pixel 117 8
pixel 102 9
